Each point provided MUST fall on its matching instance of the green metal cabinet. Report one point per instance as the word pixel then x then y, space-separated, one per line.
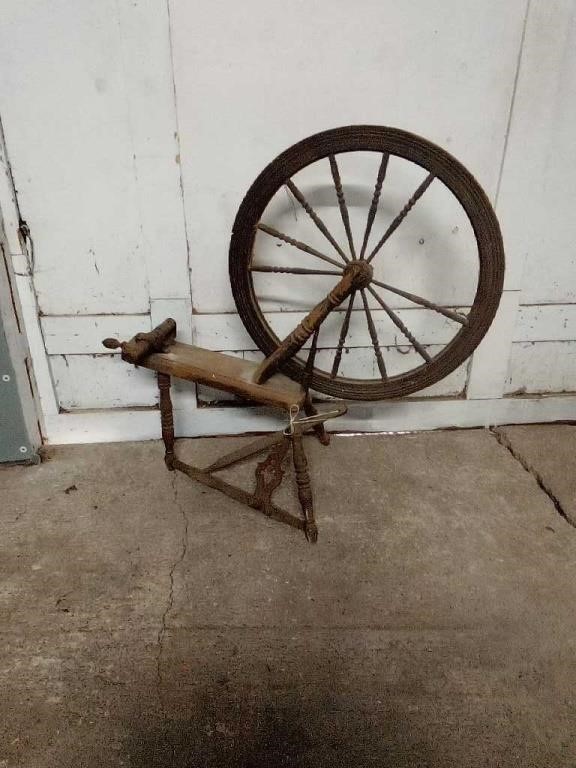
pixel 15 442
pixel 19 427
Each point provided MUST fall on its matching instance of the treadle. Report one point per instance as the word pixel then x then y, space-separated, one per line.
pixel 268 476
pixel 269 472
pixel 232 374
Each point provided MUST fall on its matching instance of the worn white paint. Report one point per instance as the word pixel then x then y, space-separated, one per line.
pixel 80 384
pixel 77 335
pixel 45 386
pixel 148 91
pixel 548 322
pixel 108 426
pixel 542 366
pixel 225 332
pixel 253 78
pixel 153 128
pixel 83 335
pixel 536 201
pixel 19 264
pixel 490 361
pixel 63 93
pixel 393 416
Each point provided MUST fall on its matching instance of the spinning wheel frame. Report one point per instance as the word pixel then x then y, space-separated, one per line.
pixel 388 142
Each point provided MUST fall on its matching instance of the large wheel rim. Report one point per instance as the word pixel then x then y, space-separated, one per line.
pixel 438 163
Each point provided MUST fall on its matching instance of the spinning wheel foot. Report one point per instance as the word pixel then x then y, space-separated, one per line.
pixel 311 531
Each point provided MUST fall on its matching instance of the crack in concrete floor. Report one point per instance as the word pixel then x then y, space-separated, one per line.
pixel 504 440
pixel 432 625
pixel 170 598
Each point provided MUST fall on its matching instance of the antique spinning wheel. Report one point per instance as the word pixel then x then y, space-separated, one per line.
pixel 317 178
pixel 358 278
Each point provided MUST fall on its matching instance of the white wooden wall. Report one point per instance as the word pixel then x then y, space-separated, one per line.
pixel 134 127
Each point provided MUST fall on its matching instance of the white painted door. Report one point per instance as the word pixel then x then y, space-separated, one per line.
pixel 134 130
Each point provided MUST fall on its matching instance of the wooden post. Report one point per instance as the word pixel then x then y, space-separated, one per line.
pixel 166 419
pixel 357 275
pixel 304 487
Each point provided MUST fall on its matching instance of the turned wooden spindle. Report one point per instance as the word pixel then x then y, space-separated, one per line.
pixel 357 275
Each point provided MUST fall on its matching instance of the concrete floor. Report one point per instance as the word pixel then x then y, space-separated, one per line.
pixel 148 621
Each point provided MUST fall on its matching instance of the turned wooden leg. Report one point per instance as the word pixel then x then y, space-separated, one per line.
pixel 304 487
pixel 166 419
pixel 321 433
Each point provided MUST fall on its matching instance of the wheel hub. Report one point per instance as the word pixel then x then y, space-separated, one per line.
pixel 361 273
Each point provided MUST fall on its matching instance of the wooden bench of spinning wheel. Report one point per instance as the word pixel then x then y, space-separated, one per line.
pixel 286 376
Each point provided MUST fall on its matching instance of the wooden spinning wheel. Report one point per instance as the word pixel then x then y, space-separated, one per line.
pixel 358 280
pixel 327 150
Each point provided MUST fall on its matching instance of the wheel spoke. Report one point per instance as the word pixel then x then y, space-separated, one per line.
pixel 399 324
pixel 342 202
pixel 375 198
pixel 296 270
pixel 309 369
pixel 374 336
pixel 403 213
pixel 343 334
pixel 462 319
pixel 315 218
pixel 297 244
